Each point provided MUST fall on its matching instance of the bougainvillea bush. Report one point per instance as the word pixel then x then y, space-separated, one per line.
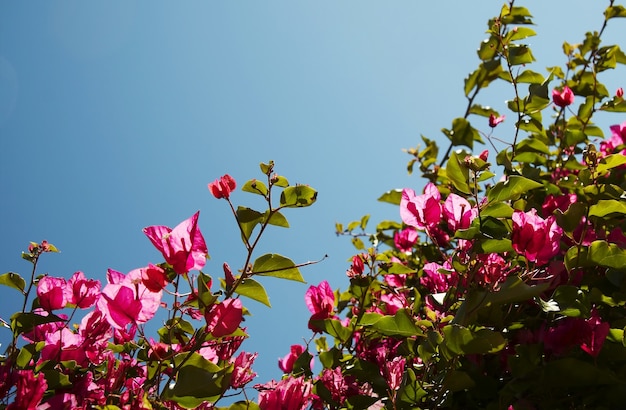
pixel 502 284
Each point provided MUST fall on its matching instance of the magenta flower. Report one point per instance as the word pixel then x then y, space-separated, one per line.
pixel 619 92
pixel 421 211
pixel 125 299
pixel 52 293
pixel 30 390
pixel 222 187
pixel 596 335
pixel 393 372
pixel 83 292
pixel 320 300
pixel 494 121
pixel 554 202
pixel 242 372
pixel 153 278
pixel 224 318
pixel 458 212
pixel 563 98
pixel 292 393
pixel 436 281
pixel 182 247
pixel 405 239
pixel 535 238
pixel 286 363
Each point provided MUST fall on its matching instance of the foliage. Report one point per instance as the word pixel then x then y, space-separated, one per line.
pixel 503 286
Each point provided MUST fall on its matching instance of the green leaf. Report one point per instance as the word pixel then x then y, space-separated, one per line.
pixel 610 162
pixel 333 327
pixel 458 173
pixel 197 380
pixel 13 280
pixel 529 76
pixel 495 245
pixel 614 105
pixel 278 266
pixel 248 219
pixel 460 340
pixel 483 111
pixel 280 181
pixel 276 219
pixel 519 33
pixel 298 196
pixel 520 54
pixel 252 289
pixel 398 268
pixel 607 207
pixel 364 220
pixel 497 210
pixel 462 133
pixel 267 168
pixel 599 253
pixel 511 188
pixel 25 322
pixel 393 197
pixel 400 324
pixel 615 11
pixel 255 187
pixel 244 405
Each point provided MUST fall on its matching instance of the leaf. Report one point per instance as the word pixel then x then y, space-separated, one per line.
pixel 458 174
pixel 495 245
pixel 393 197
pixel 278 266
pixel 244 405
pixel 276 219
pixel 610 162
pixel 252 289
pixel 606 207
pixel 520 54
pixel 462 133
pixel 598 253
pixel 198 380
pixel 497 210
pixel 248 219
pixel 280 181
pixel 460 340
pixel 255 187
pixel 333 327
pixel 25 322
pixel 615 11
pixel 13 280
pixel 400 324
pixel 519 33
pixel 267 168
pixel 298 196
pixel 511 188
pixel 529 76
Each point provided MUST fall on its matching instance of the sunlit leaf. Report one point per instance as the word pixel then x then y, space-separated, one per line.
pixel 256 187
pixel 511 188
pixel 278 266
pixel 298 196
pixel 13 280
pixel 253 290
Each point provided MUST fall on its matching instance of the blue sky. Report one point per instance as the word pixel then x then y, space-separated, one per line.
pixel 115 117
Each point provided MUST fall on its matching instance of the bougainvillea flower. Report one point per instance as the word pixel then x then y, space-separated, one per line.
pixel 52 293
pixel 182 247
pixel 536 238
pixel 596 335
pixel 224 318
pixel 320 300
pixel 125 299
pixel 421 211
pixel 393 372
pixel 494 121
pixel 357 267
pixel 563 98
pixel 222 187
pixel 619 92
pixel 154 278
pixel 83 292
pixel 65 345
pixel 554 202
pixel 30 389
pixel 292 393
pixel 242 372
pixel 286 363
pixel 458 212
pixel 436 281
pixel 405 239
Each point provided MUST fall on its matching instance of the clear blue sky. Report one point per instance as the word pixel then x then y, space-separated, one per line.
pixel 115 115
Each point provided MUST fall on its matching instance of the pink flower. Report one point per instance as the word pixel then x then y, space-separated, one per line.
pixel 393 372
pixel 620 92
pixel 619 131
pixel 30 390
pixel 554 202
pixel 286 363
pixel 535 238
pixel 618 138
pixel 485 154
pixel 563 98
pixel 242 372
pixel 405 239
pixel 357 267
pixel 421 211
pixel 494 121
pixel 83 292
pixel 288 394
pixel 222 187
pixel 597 333
pixel 458 212
pixel 320 300
pixel 125 299
pixel 435 281
pixel 153 278
pixel 64 345
pixel 52 293
pixel 224 318
pixel 182 247
pixel 340 386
